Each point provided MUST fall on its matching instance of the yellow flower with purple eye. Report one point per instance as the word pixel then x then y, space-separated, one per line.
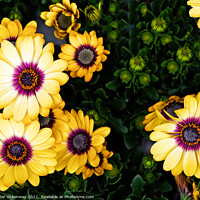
pixel 159 112
pixel 88 170
pixel 178 141
pixel 25 153
pixel 11 30
pixel 63 17
pixel 30 79
pixel 82 144
pixel 57 121
pixel 84 55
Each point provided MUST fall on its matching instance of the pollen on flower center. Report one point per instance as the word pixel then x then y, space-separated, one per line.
pixel 47 122
pixel 64 21
pixel 79 141
pixel 28 79
pixel 16 151
pixel 85 56
pixel 190 134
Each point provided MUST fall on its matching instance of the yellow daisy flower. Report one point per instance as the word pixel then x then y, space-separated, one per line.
pixel 29 78
pixel 158 111
pixel 82 144
pixel 25 153
pixel 62 17
pixel 11 30
pixel 57 121
pixel 178 141
pixel 85 54
pixel 195 10
pixel 88 170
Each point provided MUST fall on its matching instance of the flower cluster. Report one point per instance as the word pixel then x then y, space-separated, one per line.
pixel 37 135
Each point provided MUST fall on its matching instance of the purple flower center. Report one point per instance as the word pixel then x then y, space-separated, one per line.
pixel 187 134
pixel 16 151
pixel 47 122
pixel 170 108
pixel 79 141
pixel 27 78
pixel 85 56
pixel 64 22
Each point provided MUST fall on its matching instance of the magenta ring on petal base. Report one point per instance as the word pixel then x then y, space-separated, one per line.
pixel 16 151
pixel 27 79
pixel 79 141
pixel 85 56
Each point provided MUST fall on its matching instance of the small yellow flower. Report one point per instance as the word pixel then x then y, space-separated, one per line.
pixel 84 55
pixel 158 112
pixel 88 170
pixel 63 17
pixel 82 144
pixel 11 30
pixel 184 54
pixel 159 25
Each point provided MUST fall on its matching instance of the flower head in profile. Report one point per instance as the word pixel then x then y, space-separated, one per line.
pixel 63 17
pixel 88 170
pixel 92 14
pixel 30 79
pixel 159 112
pixel 11 30
pixel 25 153
pixel 178 141
pixel 195 10
pixel 82 144
pixel 84 55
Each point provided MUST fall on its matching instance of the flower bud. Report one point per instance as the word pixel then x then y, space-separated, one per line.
pixel 114 172
pixel 147 37
pixel 148 162
pixel 149 176
pixel 112 8
pixel 159 25
pixel 165 39
pixel 139 122
pixel 125 76
pixel 184 54
pixel 15 14
pixel 74 184
pixel 172 67
pixel 143 10
pixel 113 35
pixel 144 79
pixel 92 14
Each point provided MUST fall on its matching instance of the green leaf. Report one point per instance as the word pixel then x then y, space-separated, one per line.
pixel 100 92
pixel 154 78
pixel 151 92
pixel 137 185
pixel 117 104
pixel 126 53
pixel 113 85
pixel 164 63
pixel 164 187
pixel 156 6
pixel 117 124
pixel 129 140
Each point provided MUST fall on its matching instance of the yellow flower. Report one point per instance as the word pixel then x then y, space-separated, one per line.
pixel 88 170
pixel 62 17
pixel 57 121
pixel 82 144
pixel 25 153
pixel 158 111
pixel 11 30
pixel 30 79
pixel 92 14
pixel 84 55
pixel 178 141
pixel 195 10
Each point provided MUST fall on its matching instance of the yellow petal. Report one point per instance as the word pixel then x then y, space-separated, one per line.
pixel 44 98
pixel 51 86
pixel 163 146
pixel 179 167
pixel 32 130
pixel 189 163
pixel 182 113
pixel 33 107
pixel 74 41
pixel 166 127
pixel 103 131
pixel 37 168
pixel 33 178
pixel 9 179
pixel 173 159
pixel 190 103
pixel 158 135
pixel 20 173
pixel 18 128
pixel 73 164
pixel 92 154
